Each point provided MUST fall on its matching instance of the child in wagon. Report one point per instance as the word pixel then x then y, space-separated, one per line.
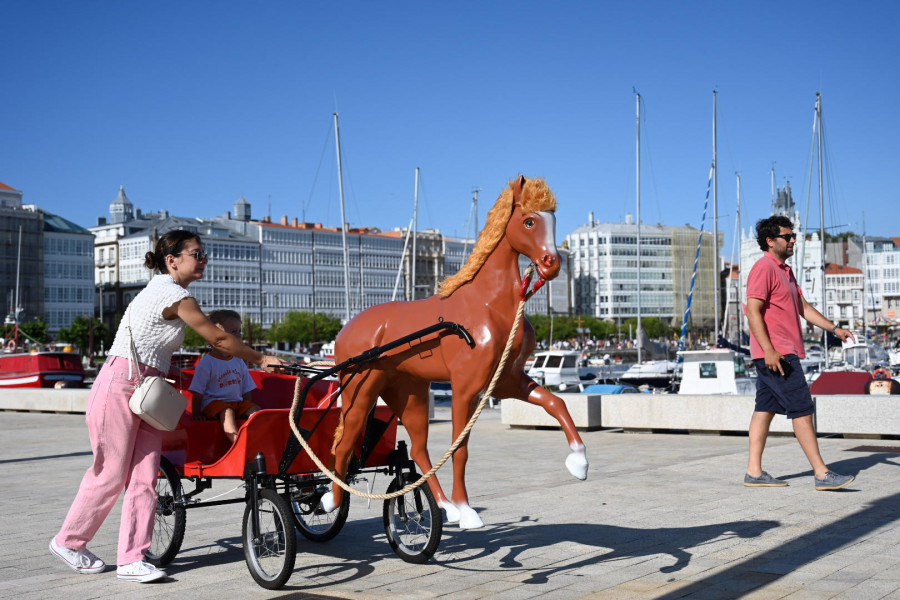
pixel 222 385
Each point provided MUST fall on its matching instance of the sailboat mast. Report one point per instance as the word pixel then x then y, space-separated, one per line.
pixel 638 188
pixel 337 137
pixel 415 228
pixel 821 211
pixel 865 276
pixel 715 220
pixel 18 271
pixel 740 290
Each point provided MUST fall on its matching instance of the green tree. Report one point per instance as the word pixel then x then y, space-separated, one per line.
pixel 599 328
pixel 297 328
pixel 654 326
pixel 192 340
pixel 85 333
pixel 36 330
pixel 251 331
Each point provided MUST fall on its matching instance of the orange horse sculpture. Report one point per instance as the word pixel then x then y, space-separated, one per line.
pixel 483 297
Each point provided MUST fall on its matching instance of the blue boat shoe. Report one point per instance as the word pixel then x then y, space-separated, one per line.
pixel 833 481
pixel 764 480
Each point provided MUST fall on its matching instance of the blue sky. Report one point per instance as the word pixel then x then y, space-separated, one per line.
pixel 191 105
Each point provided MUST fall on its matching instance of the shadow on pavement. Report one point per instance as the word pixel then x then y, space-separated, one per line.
pixel 623 542
pixel 775 563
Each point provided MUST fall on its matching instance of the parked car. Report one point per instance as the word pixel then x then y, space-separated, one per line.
pixel 610 388
pixel 440 391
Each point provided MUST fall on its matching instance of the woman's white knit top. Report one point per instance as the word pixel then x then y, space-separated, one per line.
pixel 156 338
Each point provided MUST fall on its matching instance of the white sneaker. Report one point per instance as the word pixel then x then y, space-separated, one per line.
pixel 139 571
pixel 82 561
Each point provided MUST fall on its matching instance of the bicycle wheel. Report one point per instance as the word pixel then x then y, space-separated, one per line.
pixel 412 522
pixel 171 517
pixel 315 524
pixel 270 557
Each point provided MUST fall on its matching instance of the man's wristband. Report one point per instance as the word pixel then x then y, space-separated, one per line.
pixel 834 329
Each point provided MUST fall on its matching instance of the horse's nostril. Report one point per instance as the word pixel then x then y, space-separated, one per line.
pixel 548 260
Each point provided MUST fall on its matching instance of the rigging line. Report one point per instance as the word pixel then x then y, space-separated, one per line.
pixel 734 240
pixel 423 199
pixel 723 133
pixel 806 228
pixel 646 132
pixel 318 170
pixel 832 192
pixel 690 298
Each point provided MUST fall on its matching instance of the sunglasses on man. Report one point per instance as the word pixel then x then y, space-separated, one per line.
pixel 788 237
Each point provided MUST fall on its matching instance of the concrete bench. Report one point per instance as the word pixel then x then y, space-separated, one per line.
pixel 584 408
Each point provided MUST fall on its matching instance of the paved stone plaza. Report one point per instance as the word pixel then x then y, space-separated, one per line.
pixel 660 516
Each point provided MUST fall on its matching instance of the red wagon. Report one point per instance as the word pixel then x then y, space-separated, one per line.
pixel 283 486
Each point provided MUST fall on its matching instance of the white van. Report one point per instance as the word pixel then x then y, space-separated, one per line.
pixel 554 367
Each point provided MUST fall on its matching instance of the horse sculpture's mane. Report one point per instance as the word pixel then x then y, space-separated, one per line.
pixel 536 196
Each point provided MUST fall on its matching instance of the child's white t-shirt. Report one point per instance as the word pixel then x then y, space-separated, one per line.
pixel 221 379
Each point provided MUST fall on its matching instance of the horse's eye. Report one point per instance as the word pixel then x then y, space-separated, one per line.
pixel 529 223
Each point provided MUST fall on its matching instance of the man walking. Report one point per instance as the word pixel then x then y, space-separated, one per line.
pixel 775 304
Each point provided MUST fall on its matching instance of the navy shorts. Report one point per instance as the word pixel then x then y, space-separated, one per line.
pixel 783 395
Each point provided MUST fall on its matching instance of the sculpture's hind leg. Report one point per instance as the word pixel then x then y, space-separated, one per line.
pixel 409 400
pixel 529 391
pixel 358 398
pixel 463 407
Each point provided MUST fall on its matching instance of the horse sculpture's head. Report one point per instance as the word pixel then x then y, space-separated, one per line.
pixel 524 215
pixel 531 229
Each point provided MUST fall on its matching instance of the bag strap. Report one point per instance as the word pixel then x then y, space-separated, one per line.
pixel 134 355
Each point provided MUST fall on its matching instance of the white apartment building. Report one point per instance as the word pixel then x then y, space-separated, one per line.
pixel 882 272
pixel 844 296
pixel 605 272
pixel 264 269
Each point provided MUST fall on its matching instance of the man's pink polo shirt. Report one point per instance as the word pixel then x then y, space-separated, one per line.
pixel 773 282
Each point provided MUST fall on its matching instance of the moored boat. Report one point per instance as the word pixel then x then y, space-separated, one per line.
pixel 41 370
pixel 655 373
pixel 715 371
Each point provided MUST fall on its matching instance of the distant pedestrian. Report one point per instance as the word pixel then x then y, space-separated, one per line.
pixel 775 304
pixel 126 449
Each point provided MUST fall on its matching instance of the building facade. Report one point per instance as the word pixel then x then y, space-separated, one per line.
pixel 844 296
pixel 605 272
pixel 47 265
pixel 882 273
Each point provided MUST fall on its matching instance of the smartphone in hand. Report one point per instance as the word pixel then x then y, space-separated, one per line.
pixel 786 367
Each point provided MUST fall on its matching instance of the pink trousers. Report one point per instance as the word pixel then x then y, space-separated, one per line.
pixel 126 456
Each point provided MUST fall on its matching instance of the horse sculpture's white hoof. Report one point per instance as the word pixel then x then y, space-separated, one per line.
pixel 468 518
pixel 450 510
pixel 577 465
pixel 328 503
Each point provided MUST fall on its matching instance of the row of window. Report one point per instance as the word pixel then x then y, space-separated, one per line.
pixel 57 319
pixel 68 246
pixel 69 294
pixel 82 271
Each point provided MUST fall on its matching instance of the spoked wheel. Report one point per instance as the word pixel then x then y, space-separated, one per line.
pixel 270 557
pixel 413 522
pixel 170 520
pixel 315 524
